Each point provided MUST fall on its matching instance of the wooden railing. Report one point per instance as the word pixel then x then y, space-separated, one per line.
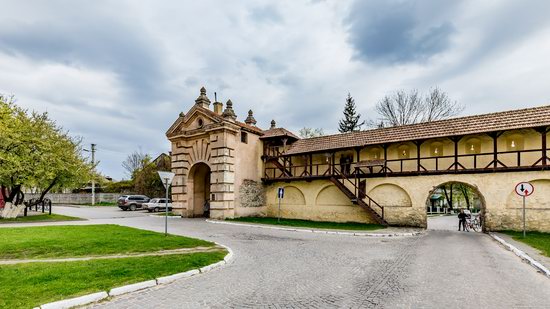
pixel 460 163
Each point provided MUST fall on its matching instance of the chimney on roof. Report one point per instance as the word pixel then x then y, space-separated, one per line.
pixel 218 106
pixel 229 113
pixel 273 124
pixel 203 100
pixel 250 119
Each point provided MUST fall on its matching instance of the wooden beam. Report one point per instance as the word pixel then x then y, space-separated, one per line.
pixel 418 143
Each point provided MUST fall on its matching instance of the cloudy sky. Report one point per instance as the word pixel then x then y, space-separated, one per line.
pixel 118 73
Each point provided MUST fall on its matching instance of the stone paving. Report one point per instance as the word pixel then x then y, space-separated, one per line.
pixel 284 269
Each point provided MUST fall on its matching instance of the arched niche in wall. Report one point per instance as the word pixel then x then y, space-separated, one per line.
pixel 515 142
pixel 332 196
pixel 472 145
pixel 403 151
pixel 390 195
pixel 293 196
pixel 436 149
pixel 374 153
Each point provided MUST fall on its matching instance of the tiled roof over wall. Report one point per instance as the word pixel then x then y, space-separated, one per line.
pixel 516 119
pixel 275 132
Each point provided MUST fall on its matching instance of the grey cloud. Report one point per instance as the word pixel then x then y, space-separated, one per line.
pixel 391 32
pixel 265 14
pixel 93 42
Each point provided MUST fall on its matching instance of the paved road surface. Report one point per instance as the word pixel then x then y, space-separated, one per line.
pixel 281 269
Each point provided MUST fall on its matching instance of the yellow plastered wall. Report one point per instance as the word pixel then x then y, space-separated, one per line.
pixel 405 199
pixel 317 200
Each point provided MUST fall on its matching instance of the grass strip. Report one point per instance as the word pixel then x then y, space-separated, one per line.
pixel 537 240
pixel 39 218
pixel 85 240
pixel 310 224
pixel 30 285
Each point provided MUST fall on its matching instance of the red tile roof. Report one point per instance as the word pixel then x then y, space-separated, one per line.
pixel 276 132
pixel 509 120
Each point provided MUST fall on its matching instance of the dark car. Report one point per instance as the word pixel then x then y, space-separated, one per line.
pixel 132 202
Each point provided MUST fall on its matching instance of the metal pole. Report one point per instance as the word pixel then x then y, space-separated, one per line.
pixel 93 175
pixel 279 215
pixel 523 216
pixel 166 210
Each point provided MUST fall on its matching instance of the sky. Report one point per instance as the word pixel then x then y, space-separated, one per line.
pixel 118 73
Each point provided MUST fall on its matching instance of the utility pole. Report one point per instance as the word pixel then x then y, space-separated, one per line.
pixel 93 174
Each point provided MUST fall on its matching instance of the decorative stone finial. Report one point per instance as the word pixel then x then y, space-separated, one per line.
pixel 273 124
pixel 203 100
pixel 182 114
pixel 229 113
pixel 250 119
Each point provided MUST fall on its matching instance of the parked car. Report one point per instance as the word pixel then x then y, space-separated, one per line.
pixel 132 202
pixel 157 204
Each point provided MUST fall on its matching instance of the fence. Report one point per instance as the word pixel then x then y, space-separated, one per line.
pixel 76 198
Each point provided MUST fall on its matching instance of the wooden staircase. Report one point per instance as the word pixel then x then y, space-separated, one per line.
pixel 341 181
pixel 281 166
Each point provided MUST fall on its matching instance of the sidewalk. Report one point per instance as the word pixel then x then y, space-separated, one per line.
pixel 532 252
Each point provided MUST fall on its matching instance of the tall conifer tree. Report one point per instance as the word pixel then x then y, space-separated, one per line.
pixel 350 122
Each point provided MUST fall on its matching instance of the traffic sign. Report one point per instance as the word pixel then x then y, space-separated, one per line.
pixel 166 178
pixel 281 193
pixel 524 189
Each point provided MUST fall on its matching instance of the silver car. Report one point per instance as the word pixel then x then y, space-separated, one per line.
pixel 157 204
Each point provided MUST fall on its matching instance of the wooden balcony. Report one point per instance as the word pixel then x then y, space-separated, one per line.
pixel 488 162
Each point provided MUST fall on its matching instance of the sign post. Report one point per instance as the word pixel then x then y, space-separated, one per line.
pixel 280 196
pixel 524 189
pixel 166 178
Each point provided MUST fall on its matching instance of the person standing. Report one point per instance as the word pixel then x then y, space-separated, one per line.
pixel 462 220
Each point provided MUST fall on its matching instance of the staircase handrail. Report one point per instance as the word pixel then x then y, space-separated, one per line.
pixel 339 173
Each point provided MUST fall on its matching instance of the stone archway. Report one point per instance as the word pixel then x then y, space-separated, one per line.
pixel 477 200
pixel 198 190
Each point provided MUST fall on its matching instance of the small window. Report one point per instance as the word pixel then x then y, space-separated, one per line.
pixel 244 137
pixel 200 122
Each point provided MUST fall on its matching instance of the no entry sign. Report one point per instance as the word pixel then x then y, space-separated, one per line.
pixel 524 189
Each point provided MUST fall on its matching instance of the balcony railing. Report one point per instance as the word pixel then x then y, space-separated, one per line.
pixel 461 163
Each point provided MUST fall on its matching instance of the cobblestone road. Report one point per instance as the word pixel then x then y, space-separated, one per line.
pixel 282 269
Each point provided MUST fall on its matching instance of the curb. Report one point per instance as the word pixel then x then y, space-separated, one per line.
pixel 538 266
pixel 77 301
pixel 163 216
pixel 95 297
pixel 318 231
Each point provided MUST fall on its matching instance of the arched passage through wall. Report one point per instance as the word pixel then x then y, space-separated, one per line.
pixel 445 201
pixel 198 190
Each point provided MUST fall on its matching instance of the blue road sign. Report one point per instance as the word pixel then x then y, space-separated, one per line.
pixel 281 193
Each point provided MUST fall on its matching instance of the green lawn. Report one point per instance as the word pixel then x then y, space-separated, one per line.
pixel 83 240
pixel 310 224
pixel 39 218
pixel 33 284
pixel 536 240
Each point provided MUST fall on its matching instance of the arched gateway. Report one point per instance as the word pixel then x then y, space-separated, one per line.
pixel 198 184
pixel 384 174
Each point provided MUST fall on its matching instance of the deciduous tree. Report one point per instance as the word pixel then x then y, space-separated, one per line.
pixel 402 108
pixel 35 152
pixel 310 132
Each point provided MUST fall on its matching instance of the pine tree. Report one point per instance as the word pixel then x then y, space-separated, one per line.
pixel 350 122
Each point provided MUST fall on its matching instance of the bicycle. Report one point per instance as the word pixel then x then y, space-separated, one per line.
pixel 473 224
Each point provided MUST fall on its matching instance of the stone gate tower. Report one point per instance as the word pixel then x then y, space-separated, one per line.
pixel 205 144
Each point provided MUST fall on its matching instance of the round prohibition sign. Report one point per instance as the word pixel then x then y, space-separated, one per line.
pixel 524 189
